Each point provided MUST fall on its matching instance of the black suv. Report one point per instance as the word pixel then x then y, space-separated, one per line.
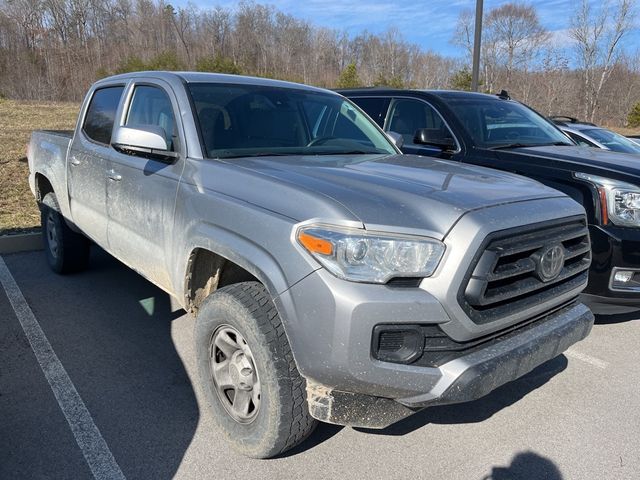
pixel 495 131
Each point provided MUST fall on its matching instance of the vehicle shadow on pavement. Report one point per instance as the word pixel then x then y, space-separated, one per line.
pixel 610 319
pixel 526 466
pixel 481 409
pixel 111 330
pixel 322 433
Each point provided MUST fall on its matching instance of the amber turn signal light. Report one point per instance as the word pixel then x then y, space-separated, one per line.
pixel 315 244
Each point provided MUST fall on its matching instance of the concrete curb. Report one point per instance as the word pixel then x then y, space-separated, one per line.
pixel 20 243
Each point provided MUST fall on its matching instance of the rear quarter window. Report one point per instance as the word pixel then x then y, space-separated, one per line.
pixel 98 122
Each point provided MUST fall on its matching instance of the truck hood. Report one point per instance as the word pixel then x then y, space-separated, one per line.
pixel 575 157
pixel 401 191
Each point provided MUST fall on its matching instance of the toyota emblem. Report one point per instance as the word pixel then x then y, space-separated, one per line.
pixel 549 262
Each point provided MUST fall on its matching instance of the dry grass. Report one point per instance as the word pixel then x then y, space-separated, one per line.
pixel 625 131
pixel 18 210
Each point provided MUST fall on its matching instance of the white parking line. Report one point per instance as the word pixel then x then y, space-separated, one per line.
pixel 596 362
pixel 95 450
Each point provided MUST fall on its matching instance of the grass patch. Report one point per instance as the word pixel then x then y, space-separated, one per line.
pixel 18 209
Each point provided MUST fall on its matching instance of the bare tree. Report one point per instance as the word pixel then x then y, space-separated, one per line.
pixel 463 33
pixel 598 36
pixel 513 37
pixel 28 16
pixel 552 84
pixel 517 35
pixel 54 49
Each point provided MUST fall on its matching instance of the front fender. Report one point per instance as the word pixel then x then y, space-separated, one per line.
pixel 264 263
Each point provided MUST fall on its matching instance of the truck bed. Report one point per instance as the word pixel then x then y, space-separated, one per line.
pixel 47 155
pixel 61 133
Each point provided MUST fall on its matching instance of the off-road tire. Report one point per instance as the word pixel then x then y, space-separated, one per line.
pixel 67 251
pixel 282 419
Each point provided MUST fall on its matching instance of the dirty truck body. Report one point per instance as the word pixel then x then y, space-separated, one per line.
pixel 372 283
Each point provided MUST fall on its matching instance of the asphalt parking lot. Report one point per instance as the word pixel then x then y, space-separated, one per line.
pixel 131 362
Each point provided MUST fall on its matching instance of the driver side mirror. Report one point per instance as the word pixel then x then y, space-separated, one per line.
pixel 143 140
pixel 434 137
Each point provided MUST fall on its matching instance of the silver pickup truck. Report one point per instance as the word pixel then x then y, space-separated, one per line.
pixel 332 278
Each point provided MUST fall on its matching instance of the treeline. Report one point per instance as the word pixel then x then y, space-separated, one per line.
pixel 54 49
pixel 583 70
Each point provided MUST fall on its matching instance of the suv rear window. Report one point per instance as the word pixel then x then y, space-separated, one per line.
pixel 98 123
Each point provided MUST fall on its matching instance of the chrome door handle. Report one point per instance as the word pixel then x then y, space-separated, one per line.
pixel 114 176
pixel 74 161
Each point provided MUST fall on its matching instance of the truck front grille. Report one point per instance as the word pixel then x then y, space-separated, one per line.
pixel 518 268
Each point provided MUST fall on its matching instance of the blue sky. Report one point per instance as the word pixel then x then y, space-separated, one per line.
pixel 430 24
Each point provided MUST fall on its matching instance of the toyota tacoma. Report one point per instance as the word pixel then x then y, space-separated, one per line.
pixel 332 278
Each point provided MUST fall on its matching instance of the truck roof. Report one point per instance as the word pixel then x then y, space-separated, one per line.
pixel 438 93
pixel 200 77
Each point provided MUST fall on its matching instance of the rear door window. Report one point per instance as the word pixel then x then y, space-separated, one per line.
pixel 98 122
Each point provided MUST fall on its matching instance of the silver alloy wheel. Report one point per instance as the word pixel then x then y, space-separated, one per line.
pixel 52 235
pixel 234 375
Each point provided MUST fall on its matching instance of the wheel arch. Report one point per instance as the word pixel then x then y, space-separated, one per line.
pixel 210 264
pixel 43 186
pixel 208 271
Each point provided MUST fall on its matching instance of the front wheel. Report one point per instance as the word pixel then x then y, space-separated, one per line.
pixel 248 374
pixel 67 251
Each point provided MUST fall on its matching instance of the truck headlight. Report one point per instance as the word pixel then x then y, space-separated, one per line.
pixel 620 201
pixel 370 257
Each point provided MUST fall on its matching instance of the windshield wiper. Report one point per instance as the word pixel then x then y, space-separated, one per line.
pixel 524 145
pixel 511 145
pixel 259 154
pixel 350 152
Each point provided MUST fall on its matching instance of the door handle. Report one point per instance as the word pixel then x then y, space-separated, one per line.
pixel 114 176
pixel 74 161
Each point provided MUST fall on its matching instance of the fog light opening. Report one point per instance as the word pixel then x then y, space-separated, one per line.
pixel 397 345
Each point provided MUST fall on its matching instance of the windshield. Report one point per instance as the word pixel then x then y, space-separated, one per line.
pixel 251 120
pixel 612 140
pixel 497 123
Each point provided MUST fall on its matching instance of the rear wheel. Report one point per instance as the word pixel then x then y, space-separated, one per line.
pixel 248 374
pixel 67 251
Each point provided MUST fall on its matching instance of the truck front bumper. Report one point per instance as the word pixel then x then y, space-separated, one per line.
pixel 514 355
pixel 331 339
